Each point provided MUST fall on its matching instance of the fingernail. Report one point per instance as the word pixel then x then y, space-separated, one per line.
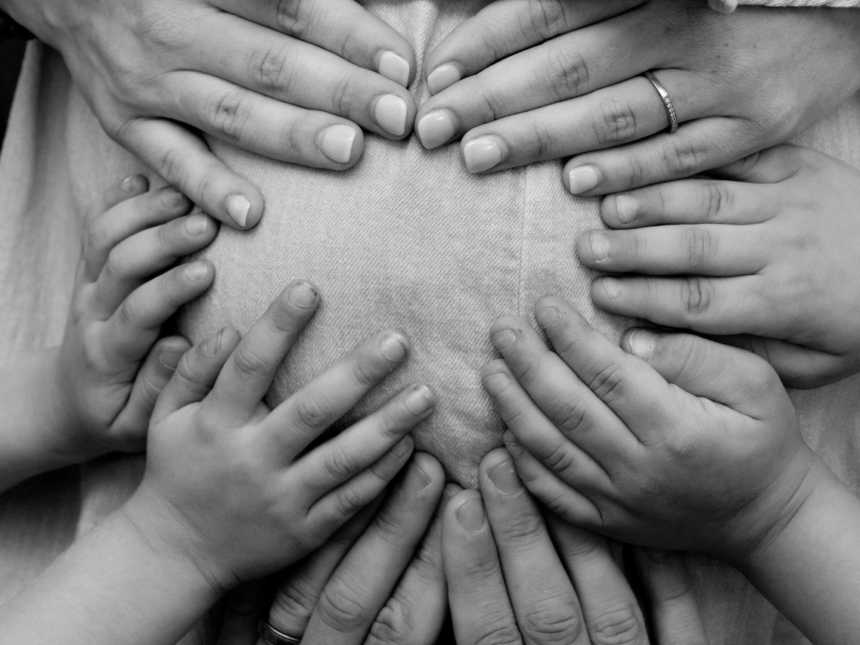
pixel 504 338
pixel 337 142
pixel 393 347
pixel 238 208
pixel 303 295
pixel 423 479
pixel 197 225
pixel 132 184
pixel 612 288
pixel 482 154
pixel 626 208
pixel 419 400
pixel 169 358
pixel 641 343
pixel 404 447
pixel 470 514
pixel 212 345
pixel 175 201
pixel 504 477
pixel 390 113
pixel 443 77
pixel 599 245
pixel 549 315
pixel 197 272
pixel 395 67
pixel 582 179
pixel 436 128
pixel 511 444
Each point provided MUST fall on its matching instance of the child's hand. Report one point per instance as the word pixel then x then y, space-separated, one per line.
pixel 127 286
pixel 692 446
pixel 242 490
pixel 775 259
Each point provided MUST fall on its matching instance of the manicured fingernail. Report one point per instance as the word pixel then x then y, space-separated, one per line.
pixel 582 179
pixel 470 514
pixel 197 225
pixel 390 113
pixel 443 77
pixel 482 154
pixel 641 343
pixel 133 184
pixel 198 271
pixel 612 288
pixel 238 208
pixel 626 208
pixel 395 67
pixel 303 295
pixel 599 245
pixel 337 142
pixel 504 477
pixel 504 338
pixel 419 400
pixel 436 128
pixel 393 347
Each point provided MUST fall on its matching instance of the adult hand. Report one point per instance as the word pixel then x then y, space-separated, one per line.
pixel 378 582
pixel 538 85
pixel 292 81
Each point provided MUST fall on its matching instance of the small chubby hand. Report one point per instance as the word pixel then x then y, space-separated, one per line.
pixel 679 443
pixel 769 254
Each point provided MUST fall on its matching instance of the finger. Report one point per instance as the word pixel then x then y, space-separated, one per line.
pixel 559 452
pixel 698 146
pixel 504 28
pixel 769 166
pixel 369 573
pixel 263 125
pixel 342 27
pixel 184 161
pixel 315 407
pixel 720 306
pixel 480 608
pixel 700 249
pixel 104 230
pixel 338 507
pixel 544 601
pixel 357 448
pixel 248 374
pixel 239 622
pixel 129 187
pixel 605 118
pixel 609 605
pixel 689 201
pixel 798 367
pixel 196 373
pixel 723 374
pixel 147 253
pixel 154 375
pixel 675 610
pixel 562 397
pixel 306 76
pixel 134 326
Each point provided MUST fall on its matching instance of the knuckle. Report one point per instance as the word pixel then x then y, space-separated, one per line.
pixel 684 158
pixel 552 622
pixel 130 313
pixel 561 462
pixel 349 501
pixel 294 17
pixel 340 609
pixel 717 199
pixel 228 115
pixel 499 634
pixel 248 362
pixel 394 624
pixel 636 174
pixel 608 382
pixel 312 412
pixel 616 123
pixel 568 73
pixel 618 627
pixel 338 464
pixel 521 530
pixel 546 18
pixel 344 96
pixel 171 164
pixel 544 141
pixel 295 601
pixel 271 70
pixel 571 418
pixel 697 296
pixel 699 244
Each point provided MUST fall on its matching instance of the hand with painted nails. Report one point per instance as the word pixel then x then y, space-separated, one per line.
pixel 523 82
pixel 95 392
pixel 769 255
pixel 292 81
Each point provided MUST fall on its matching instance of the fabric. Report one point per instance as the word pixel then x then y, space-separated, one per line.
pixel 727 6
pixel 407 239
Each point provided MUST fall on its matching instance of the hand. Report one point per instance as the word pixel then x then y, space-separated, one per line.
pixel 546 80
pixel 260 496
pixel 156 71
pixel 774 258
pixel 688 445
pixel 109 368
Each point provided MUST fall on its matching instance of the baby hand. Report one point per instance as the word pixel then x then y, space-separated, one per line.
pixel 687 445
pixel 110 368
pixel 241 490
pixel 774 259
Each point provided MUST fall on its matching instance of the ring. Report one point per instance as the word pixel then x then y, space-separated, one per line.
pixel 667 101
pixel 271 636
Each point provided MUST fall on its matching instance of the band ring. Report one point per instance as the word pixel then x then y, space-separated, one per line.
pixel 271 636
pixel 667 101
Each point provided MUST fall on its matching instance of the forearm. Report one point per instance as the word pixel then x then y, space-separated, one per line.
pixel 811 571
pixel 114 587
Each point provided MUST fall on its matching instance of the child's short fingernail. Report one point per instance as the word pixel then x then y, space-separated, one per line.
pixel 393 347
pixel 133 184
pixel 337 142
pixel 641 343
pixel 504 338
pixel 403 448
pixel 626 208
pixel 421 478
pixel 197 225
pixel 436 128
pixel 549 315
pixel 169 357
pixel 470 514
pixel 504 477
pixel 394 67
pixel 303 295
pixel 198 271
pixel 610 287
pixel 420 400
pixel 598 244
pixel 443 77
pixel 483 154
pixel 238 207
pixel 583 179
pixel 391 113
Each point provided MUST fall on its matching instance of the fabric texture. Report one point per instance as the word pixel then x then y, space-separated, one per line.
pixel 407 239
pixel 728 6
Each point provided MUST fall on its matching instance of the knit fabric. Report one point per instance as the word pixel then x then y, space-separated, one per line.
pixel 727 6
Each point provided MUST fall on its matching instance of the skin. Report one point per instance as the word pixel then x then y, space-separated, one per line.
pixel 535 81
pixel 768 254
pixel 293 81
